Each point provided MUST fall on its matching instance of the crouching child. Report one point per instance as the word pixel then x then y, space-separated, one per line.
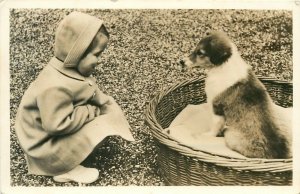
pixel 63 115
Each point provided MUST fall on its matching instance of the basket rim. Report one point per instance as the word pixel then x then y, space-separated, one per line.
pixel 250 164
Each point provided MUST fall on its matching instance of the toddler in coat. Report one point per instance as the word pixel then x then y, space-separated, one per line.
pixel 63 115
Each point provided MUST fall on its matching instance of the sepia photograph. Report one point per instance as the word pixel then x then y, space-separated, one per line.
pixel 154 96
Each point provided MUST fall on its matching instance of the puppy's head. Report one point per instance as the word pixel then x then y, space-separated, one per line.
pixel 211 51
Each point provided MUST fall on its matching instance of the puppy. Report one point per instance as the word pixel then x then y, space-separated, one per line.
pixel 241 107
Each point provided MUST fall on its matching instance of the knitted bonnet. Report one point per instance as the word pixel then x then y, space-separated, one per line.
pixel 73 36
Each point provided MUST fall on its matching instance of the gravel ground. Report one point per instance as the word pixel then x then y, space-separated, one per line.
pixel 144 46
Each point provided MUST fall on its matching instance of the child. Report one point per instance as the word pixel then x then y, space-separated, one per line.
pixel 63 115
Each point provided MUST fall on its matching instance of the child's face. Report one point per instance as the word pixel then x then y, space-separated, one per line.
pixel 91 59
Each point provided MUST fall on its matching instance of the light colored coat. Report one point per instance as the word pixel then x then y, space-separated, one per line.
pixel 55 123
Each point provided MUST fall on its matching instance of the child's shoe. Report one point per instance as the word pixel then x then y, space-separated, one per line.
pixel 79 174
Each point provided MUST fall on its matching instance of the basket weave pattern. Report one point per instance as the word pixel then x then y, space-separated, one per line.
pixel 182 165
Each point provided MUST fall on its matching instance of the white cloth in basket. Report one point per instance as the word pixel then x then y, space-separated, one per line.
pixel 187 129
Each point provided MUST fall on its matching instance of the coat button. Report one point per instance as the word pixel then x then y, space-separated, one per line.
pixel 90 83
pixel 94 94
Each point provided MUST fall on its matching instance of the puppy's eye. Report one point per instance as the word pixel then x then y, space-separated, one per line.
pixel 200 52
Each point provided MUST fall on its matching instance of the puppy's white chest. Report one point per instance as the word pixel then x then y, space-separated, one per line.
pixel 214 85
pixel 221 78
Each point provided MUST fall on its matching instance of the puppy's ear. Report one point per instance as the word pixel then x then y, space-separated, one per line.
pixel 220 49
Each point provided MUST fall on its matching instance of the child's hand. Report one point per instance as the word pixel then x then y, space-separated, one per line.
pixel 105 108
pixel 97 110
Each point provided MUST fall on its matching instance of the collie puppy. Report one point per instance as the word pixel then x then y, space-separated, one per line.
pixel 241 107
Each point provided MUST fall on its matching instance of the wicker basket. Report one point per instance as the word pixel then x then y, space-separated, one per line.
pixel 182 165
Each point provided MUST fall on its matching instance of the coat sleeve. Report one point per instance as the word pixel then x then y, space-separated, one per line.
pixel 58 115
pixel 100 98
